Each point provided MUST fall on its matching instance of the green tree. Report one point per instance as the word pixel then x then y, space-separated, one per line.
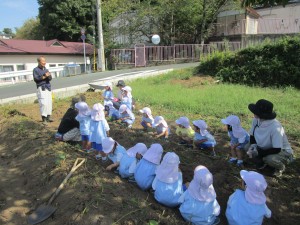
pixel 8 31
pixel 63 19
pixel 30 30
pixel 246 3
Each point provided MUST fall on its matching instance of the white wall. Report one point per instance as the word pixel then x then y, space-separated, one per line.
pixel 30 61
pixel 291 10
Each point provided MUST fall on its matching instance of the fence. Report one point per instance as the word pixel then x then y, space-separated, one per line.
pixel 13 77
pixel 175 53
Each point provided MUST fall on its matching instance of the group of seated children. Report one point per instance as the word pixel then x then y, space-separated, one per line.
pixel 196 200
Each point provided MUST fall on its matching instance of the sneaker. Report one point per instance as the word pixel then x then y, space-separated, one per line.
pixel 90 150
pixel 131 180
pixel 278 173
pixel 182 143
pixel 232 160
pixel 240 164
pixel 104 159
pixel 129 127
pixel 98 157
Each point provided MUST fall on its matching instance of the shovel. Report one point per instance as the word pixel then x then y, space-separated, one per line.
pixel 46 210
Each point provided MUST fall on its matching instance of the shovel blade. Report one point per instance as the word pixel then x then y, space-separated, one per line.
pixel 42 213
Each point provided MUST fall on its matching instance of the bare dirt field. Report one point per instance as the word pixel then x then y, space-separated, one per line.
pixel 33 164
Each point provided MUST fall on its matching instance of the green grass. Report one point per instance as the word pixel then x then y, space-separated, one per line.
pixel 213 101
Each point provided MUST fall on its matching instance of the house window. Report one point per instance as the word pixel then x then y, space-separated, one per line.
pixel 61 64
pixel 7 68
pixel 20 67
pixel 52 65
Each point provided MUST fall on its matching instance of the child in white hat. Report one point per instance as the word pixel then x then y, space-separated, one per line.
pixel 167 184
pixel 198 202
pixel 99 130
pixel 129 161
pixel 203 139
pixel 145 170
pixel 147 119
pixel 112 110
pixel 184 131
pixel 249 206
pixel 161 127
pixel 125 115
pixel 127 97
pixel 108 95
pixel 84 119
pixel 114 152
pixel 239 138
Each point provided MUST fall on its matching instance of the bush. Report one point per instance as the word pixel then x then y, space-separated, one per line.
pixel 271 64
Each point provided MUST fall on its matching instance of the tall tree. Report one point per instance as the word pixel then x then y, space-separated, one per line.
pixel 30 30
pixel 63 19
pixel 8 31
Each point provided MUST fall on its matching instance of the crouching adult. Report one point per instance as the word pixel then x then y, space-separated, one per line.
pixel 68 129
pixel 269 143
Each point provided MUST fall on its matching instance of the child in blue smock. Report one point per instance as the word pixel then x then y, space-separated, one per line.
pixel 145 170
pixel 84 119
pixel 167 184
pixel 129 161
pixel 203 139
pixel 147 119
pixel 239 138
pixel 125 115
pixel 198 203
pixel 249 206
pixel 108 95
pixel 127 97
pixel 114 152
pixel 161 127
pixel 99 129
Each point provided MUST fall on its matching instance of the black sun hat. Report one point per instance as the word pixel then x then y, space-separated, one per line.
pixel 263 109
pixel 121 83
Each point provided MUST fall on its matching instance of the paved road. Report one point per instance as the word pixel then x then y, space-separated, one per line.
pixel 21 89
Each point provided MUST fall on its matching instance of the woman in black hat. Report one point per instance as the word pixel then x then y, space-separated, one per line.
pixel 268 139
pixel 120 85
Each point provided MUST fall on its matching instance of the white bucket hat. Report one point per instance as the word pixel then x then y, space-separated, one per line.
pixel 256 185
pixel 97 113
pixel 140 148
pixel 159 120
pixel 127 88
pixel 235 123
pixel 108 84
pixel 108 144
pixel 201 187
pixel 83 108
pixel 123 108
pixel 168 171
pixel 147 111
pixel 202 126
pixel 154 153
pixel 184 121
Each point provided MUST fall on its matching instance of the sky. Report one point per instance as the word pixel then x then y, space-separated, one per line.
pixel 13 13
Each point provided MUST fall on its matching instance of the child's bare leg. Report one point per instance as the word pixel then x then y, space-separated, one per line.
pixel 233 152
pixel 84 144
pixel 239 154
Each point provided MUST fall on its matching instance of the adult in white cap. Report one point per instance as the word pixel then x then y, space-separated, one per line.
pixel 161 127
pixel 99 130
pixel 239 138
pixel 146 167
pixel 249 206
pixel 125 115
pixel 129 161
pixel 114 151
pixel 198 202
pixel 117 101
pixel 203 139
pixel 268 137
pixel 184 131
pixel 84 119
pixel 108 95
pixel 167 184
pixel 147 119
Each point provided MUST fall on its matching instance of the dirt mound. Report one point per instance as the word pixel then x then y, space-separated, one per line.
pixel 33 164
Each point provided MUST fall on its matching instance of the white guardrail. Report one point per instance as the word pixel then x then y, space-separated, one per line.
pixel 13 77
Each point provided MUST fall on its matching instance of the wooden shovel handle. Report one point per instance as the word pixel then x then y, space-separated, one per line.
pixel 77 164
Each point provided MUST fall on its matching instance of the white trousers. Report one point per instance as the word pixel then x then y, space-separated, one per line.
pixel 45 101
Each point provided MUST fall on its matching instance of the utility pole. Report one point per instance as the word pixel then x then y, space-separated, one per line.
pixel 101 57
